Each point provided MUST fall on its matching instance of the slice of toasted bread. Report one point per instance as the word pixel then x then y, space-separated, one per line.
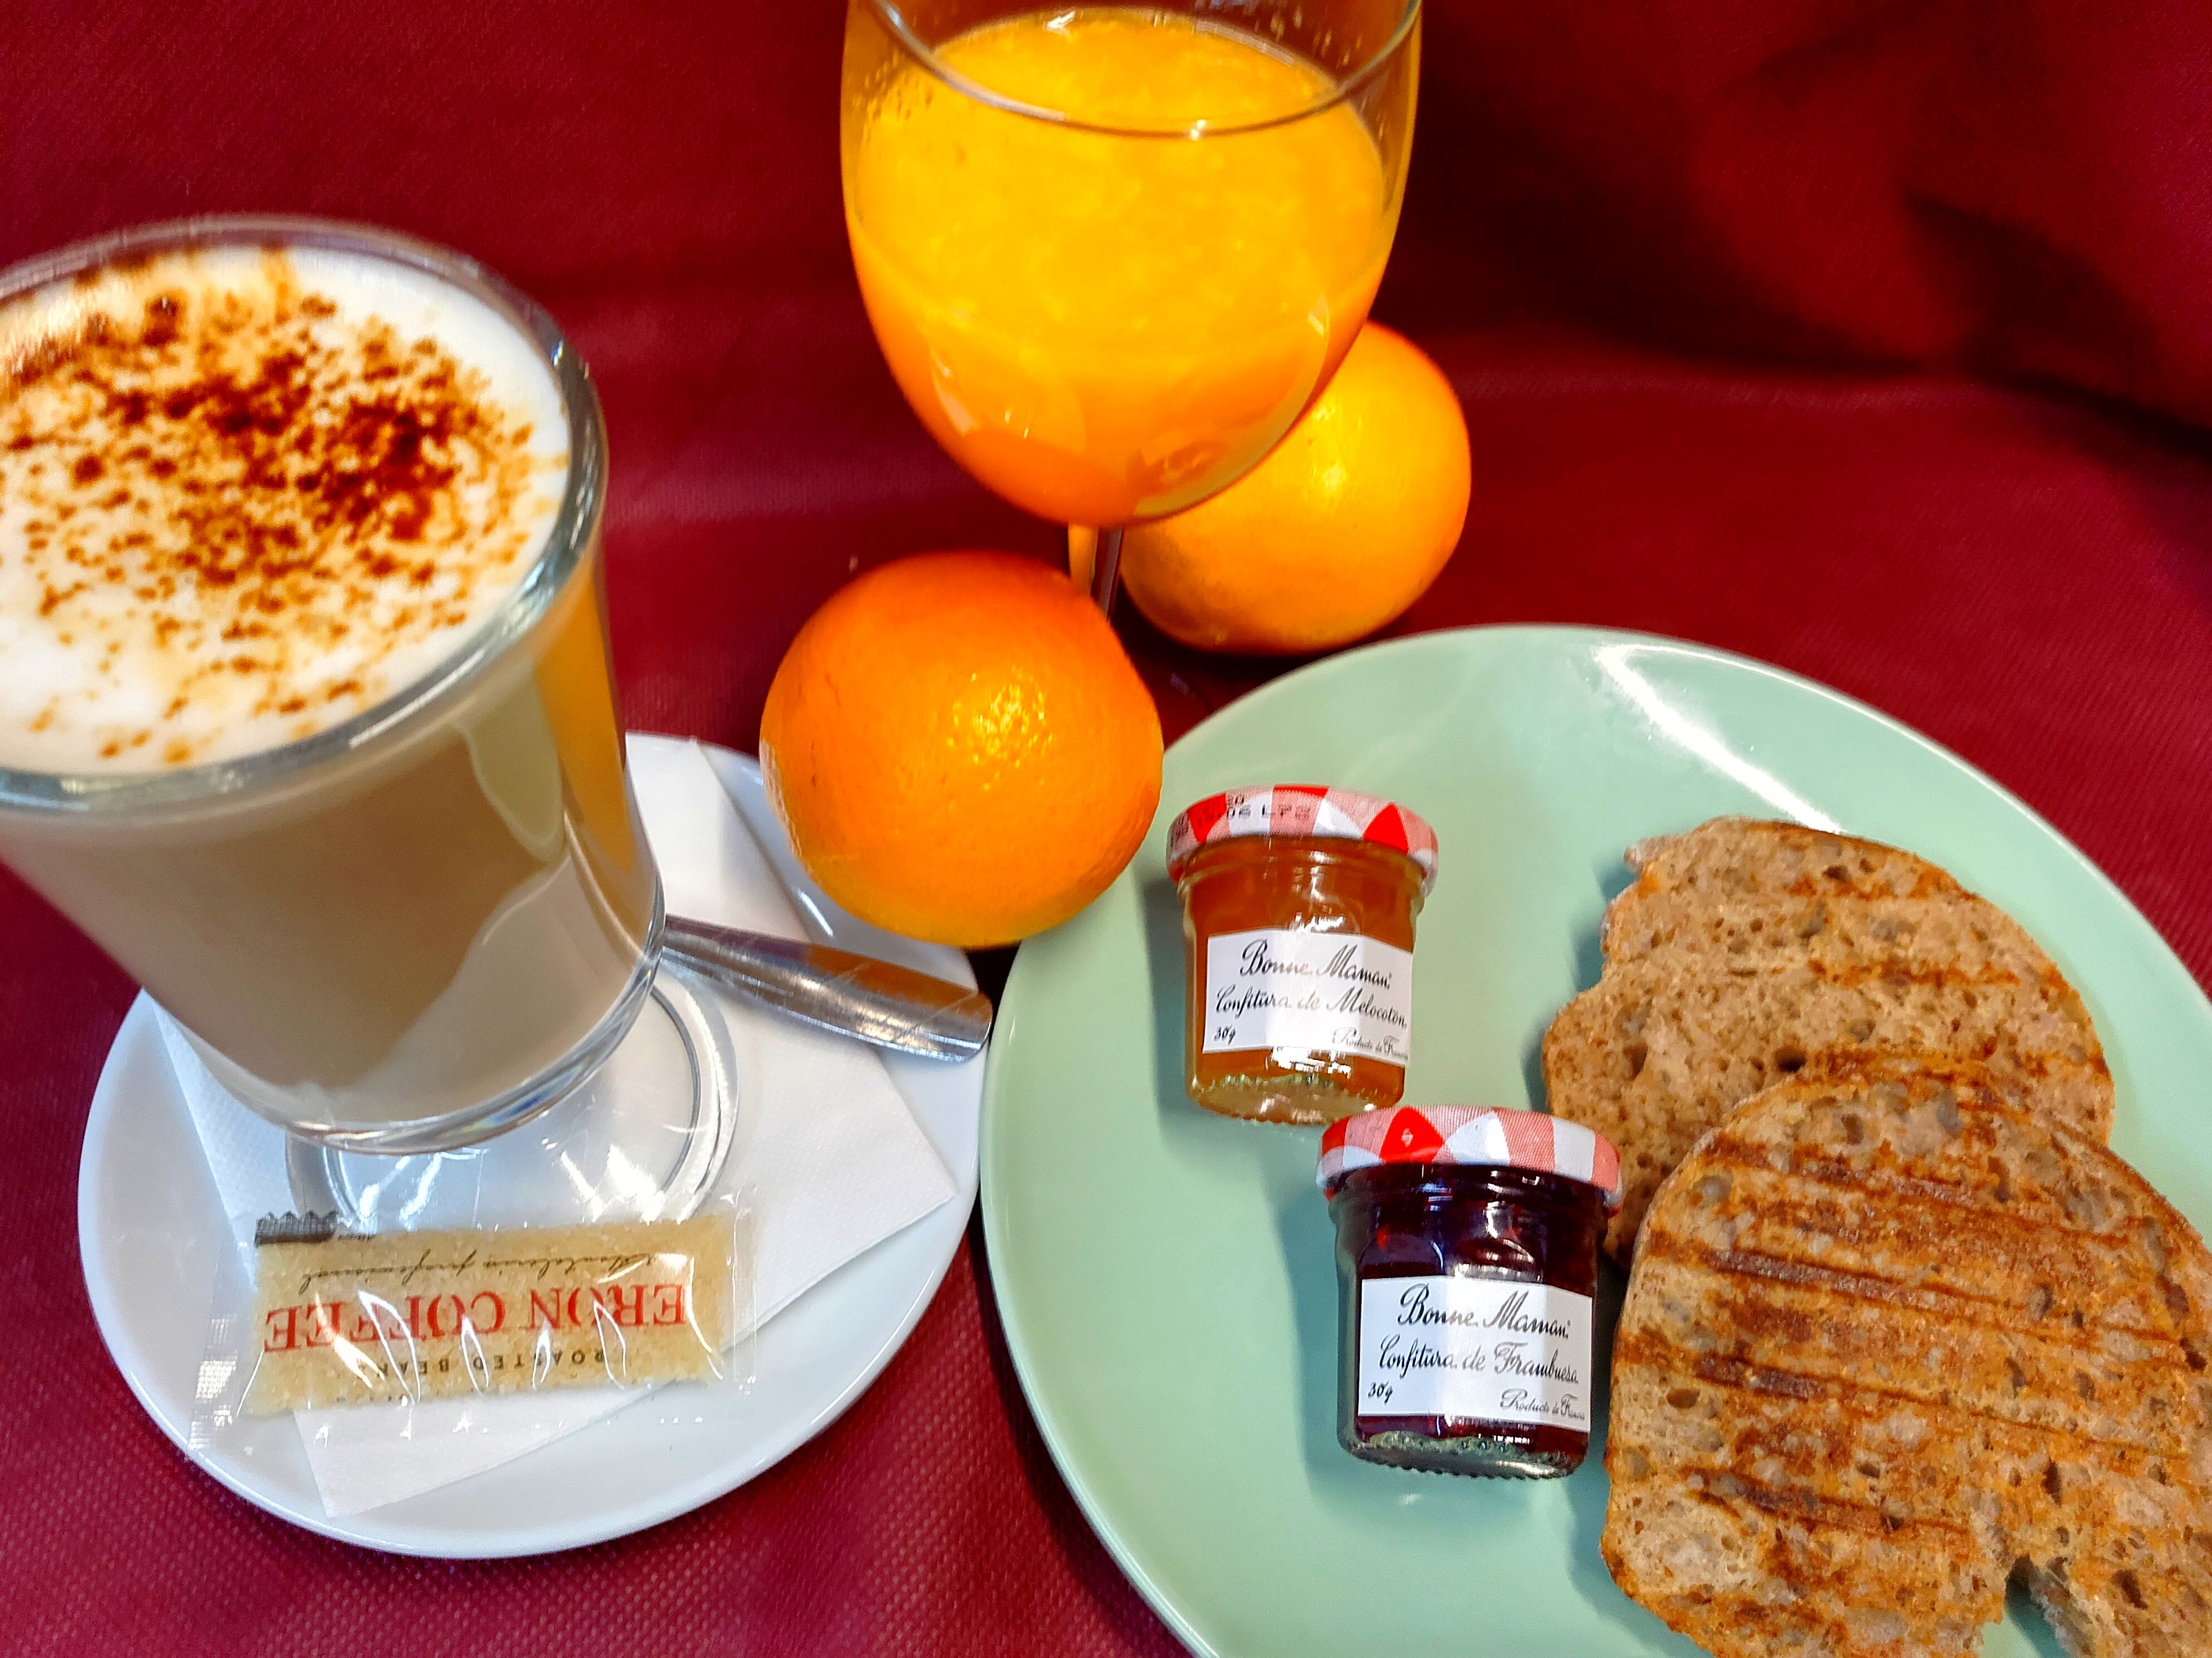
pixel 1889 1342
pixel 1767 857
pixel 1761 893
pixel 1661 1048
pixel 1746 951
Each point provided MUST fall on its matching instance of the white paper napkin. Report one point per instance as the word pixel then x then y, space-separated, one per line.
pixel 832 1163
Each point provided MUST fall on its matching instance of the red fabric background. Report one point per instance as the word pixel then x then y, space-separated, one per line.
pixel 1709 277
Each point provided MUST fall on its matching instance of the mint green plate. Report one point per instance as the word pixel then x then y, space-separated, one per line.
pixel 1165 1276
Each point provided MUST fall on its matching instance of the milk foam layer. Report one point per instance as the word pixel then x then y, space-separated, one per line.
pixel 246 494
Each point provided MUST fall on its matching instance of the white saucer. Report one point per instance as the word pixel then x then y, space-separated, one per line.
pixel 151 1232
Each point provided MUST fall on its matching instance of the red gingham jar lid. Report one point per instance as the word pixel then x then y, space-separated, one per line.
pixel 1471 1135
pixel 1300 810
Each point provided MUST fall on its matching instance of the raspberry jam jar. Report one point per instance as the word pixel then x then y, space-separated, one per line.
pixel 1298 906
pixel 1466 1259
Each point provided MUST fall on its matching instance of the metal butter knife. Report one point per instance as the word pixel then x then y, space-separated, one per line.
pixel 879 1002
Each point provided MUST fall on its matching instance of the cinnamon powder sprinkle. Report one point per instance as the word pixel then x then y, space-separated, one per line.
pixel 235 507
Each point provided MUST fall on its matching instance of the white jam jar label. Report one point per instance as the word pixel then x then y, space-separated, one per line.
pixel 1489 1349
pixel 1323 992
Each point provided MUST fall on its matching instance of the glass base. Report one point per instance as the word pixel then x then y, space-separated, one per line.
pixel 642 1138
pixel 1530 1453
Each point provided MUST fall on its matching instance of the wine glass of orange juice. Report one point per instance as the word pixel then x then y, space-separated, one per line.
pixel 1111 253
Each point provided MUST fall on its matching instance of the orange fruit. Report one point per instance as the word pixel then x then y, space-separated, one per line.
pixel 1343 526
pixel 960 748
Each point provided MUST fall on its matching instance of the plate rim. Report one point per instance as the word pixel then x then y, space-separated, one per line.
pixel 524 1540
pixel 991 1190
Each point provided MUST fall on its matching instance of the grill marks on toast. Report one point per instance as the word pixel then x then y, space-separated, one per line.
pixel 1747 952
pixel 1917 1356
pixel 1891 1341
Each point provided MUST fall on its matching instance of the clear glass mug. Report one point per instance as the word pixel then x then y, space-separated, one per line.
pixel 428 923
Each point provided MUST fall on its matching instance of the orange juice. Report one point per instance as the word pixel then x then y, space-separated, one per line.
pixel 1110 316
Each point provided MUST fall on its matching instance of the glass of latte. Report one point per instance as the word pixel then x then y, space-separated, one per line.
pixel 305 708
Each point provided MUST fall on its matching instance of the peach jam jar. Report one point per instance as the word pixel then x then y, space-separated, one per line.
pixel 1298 921
pixel 1466 1262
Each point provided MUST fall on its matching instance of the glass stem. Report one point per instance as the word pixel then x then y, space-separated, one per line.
pixel 1106 569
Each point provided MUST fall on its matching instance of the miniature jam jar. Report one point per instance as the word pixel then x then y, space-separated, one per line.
pixel 1298 924
pixel 1466 1257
